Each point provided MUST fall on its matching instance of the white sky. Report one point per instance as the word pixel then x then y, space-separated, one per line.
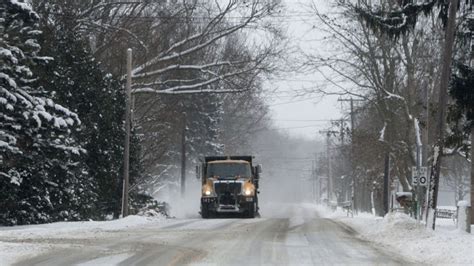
pixel 302 116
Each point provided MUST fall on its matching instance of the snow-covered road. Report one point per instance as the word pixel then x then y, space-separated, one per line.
pixel 289 235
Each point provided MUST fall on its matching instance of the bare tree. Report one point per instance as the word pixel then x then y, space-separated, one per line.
pixel 456 176
pixel 182 49
pixel 392 76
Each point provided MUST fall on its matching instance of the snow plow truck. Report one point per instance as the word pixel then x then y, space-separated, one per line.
pixel 229 185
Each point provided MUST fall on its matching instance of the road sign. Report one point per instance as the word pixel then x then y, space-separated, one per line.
pixel 419 178
pixel 414 176
pixel 423 176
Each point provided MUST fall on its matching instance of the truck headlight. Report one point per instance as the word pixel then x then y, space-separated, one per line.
pixel 247 192
pixel 206 190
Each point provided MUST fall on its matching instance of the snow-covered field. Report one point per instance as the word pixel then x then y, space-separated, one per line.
pixel 402 234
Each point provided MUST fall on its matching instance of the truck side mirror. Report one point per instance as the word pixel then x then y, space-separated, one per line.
pixel 198 172
pixel 259 168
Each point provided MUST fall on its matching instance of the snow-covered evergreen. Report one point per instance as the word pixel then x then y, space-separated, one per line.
pixel 35 131
pixel 78 82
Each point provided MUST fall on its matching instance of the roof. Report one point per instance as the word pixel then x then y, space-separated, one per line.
pixel 233 157
pixel 228 161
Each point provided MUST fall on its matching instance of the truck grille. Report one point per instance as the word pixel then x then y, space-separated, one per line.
pixel 227 188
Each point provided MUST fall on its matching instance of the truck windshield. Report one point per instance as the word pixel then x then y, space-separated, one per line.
pixel 228 170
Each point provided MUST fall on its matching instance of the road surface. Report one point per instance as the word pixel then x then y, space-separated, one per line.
pixel 293 235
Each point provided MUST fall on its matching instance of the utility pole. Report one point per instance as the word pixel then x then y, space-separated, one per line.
pixel 472 174
pixel 343 165
pixel 126 156
pixel 183 157
pixel 320 189
pixel 419 188
pixel 386 178
pixel 440 127
pixel 329 172
pixel 471 44
pixel 353 181
pixel 313 181
pixel 425 150
pixel 330 181
pixel 320 178
pixel 472 135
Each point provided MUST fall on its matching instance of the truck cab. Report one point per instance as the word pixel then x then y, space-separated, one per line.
pixel 229 185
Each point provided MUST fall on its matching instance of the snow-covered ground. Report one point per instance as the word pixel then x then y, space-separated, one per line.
pixel 402 234
pixel 296 230
pixel 20 242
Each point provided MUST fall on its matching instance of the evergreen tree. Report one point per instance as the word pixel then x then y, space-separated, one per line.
pixel 461 114
pixel 37 153
pixel 203 117
pixel 78 81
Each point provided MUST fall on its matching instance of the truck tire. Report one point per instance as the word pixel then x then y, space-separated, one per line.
pixel 205 213
pixel 251 210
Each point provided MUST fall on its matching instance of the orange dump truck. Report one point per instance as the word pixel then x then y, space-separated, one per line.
pixel 229 185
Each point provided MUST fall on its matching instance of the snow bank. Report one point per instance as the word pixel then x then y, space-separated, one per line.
pixel 20 242
pixel 401 234
pixel 11 252
pixel 60 229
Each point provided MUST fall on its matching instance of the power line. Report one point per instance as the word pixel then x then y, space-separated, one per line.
pixel 297 16
pixel 290 102
pixel 286 18
pixel 292 159
pixel 282 128
pixel 292 169
pixel 302 80
pixel 305 120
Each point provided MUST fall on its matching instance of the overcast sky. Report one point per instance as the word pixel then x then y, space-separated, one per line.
pixel 302 116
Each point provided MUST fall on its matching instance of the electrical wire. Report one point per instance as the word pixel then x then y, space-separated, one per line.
pixel 290 102
pixel 305 120
pixel 285 128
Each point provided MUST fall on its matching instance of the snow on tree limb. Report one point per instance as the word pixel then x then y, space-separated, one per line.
pixel 403 17
pixel 214 22
pixel 184 90
pixel 202 68
pixel 150 74
pixel 189 48
pixel 103 5
pixel 108 26
pixel 382 132
pixel 397 21
pixel 417 132
pixel 199 87
pixel 162 58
